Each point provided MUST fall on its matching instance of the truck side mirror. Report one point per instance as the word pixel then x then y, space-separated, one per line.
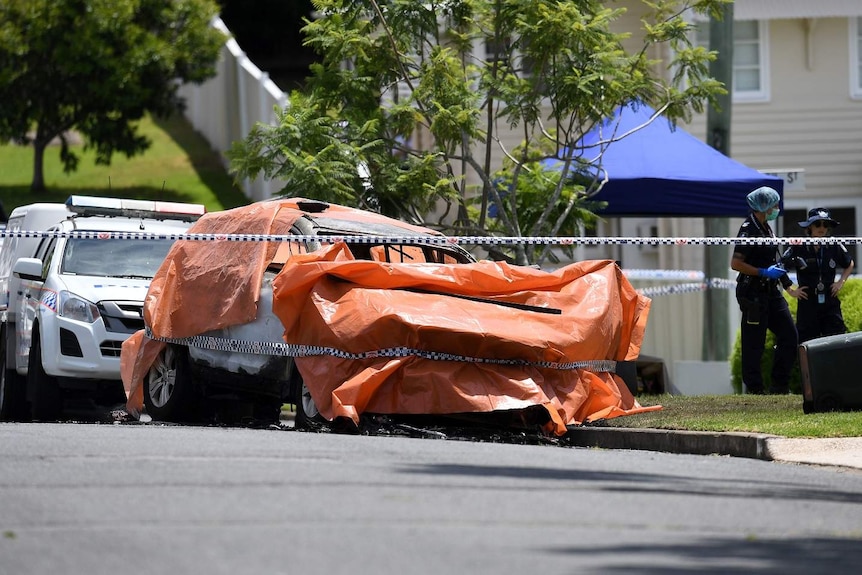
pixel 28 269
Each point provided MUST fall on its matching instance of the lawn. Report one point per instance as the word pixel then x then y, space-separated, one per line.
pixel 179 166
pixel 770 414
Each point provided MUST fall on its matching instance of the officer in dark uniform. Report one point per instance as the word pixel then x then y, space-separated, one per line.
pixel 760 299
pixel 818 312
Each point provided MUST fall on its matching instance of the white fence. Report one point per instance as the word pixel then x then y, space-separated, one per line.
pixel 226 107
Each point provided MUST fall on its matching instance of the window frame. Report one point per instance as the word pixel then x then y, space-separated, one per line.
pixel 764 93
pixel 854 44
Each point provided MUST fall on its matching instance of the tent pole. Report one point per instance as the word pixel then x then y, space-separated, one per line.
pixel 716 330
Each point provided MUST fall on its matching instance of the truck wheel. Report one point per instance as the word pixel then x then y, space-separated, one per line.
pixel 47 395
pixel 169 393
pixel 13 390
pixel 307 415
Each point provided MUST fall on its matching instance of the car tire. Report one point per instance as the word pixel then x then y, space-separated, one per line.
pixel 307 415
pixel 13 388
pixel 47 395
pixel 169 393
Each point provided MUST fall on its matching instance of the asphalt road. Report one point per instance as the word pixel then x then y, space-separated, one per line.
pixel 93 499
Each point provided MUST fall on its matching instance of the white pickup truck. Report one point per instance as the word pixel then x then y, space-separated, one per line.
pixel 71 292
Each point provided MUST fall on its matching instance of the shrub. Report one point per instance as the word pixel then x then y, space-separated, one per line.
pixel 851 308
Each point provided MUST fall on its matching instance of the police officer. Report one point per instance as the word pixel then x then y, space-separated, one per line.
pixel 760 299
pixel 818 312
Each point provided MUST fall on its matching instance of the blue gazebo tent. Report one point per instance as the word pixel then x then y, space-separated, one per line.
pixel 662 171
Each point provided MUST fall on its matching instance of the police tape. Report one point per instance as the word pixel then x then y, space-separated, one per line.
pixel 713 283
pixel 639 274
pixel 271 348
pixel 435 240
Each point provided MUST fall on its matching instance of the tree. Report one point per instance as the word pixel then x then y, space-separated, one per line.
pixel 96 67
pixel 422 97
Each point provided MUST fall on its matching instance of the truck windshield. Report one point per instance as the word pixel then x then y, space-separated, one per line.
pixel 114 257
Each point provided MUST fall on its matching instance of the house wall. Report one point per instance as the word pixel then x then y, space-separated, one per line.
pixel 811 122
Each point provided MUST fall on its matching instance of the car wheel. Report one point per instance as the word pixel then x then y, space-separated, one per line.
pixel 13 390
pixel 47 395
pixel 307 415
pixel 169 393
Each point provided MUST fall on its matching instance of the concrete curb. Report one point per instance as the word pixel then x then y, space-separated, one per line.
pixel 843 452
pixel 751 445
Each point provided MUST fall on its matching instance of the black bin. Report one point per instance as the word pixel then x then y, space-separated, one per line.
pixel 831 369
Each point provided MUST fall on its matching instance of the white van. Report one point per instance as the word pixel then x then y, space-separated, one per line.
pixel 73 279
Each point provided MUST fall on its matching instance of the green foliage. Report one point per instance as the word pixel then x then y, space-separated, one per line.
pixel 96 67
pixel 851 308
pixel 524 209
pixel 851 304
pixel 421 98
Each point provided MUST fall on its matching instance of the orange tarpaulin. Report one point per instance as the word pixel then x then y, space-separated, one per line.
pixel 480 354
pixel 406 338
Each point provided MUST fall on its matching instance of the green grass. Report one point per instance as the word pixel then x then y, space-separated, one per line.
pixel 179 166
pixel 770 414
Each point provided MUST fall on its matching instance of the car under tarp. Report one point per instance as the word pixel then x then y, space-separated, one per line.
pixel 655 169
pixel 406 338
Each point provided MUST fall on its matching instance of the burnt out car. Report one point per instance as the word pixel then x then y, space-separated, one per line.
pixel 346 313
pixel 225 343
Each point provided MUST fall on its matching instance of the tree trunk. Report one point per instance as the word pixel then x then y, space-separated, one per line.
pixel 38 185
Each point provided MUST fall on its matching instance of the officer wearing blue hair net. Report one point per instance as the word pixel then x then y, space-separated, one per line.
pixel 760 300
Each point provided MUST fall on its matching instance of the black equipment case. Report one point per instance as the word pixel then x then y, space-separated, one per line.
pixel 831 369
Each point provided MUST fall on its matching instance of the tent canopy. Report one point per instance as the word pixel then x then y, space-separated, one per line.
pixel 662 171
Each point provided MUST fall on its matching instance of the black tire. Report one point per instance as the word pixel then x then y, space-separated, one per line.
pixel 307 416
pixel 47 395
pixel 169 392
pixel 13 389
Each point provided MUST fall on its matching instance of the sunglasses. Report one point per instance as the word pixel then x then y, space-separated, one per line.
pixel 820 224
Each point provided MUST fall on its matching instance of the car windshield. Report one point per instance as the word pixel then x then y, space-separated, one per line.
pixel 121 258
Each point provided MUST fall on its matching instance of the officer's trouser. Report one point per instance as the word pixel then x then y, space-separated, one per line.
pixel 759 313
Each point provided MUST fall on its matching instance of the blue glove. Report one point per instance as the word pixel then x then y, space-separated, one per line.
pixel 773 272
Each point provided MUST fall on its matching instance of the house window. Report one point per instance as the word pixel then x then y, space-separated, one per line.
pixel 750 61
pixel 497 51
pixel 856 57
pixel 503 52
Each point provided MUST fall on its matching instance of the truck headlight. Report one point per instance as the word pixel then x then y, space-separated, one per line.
pixel 77 308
